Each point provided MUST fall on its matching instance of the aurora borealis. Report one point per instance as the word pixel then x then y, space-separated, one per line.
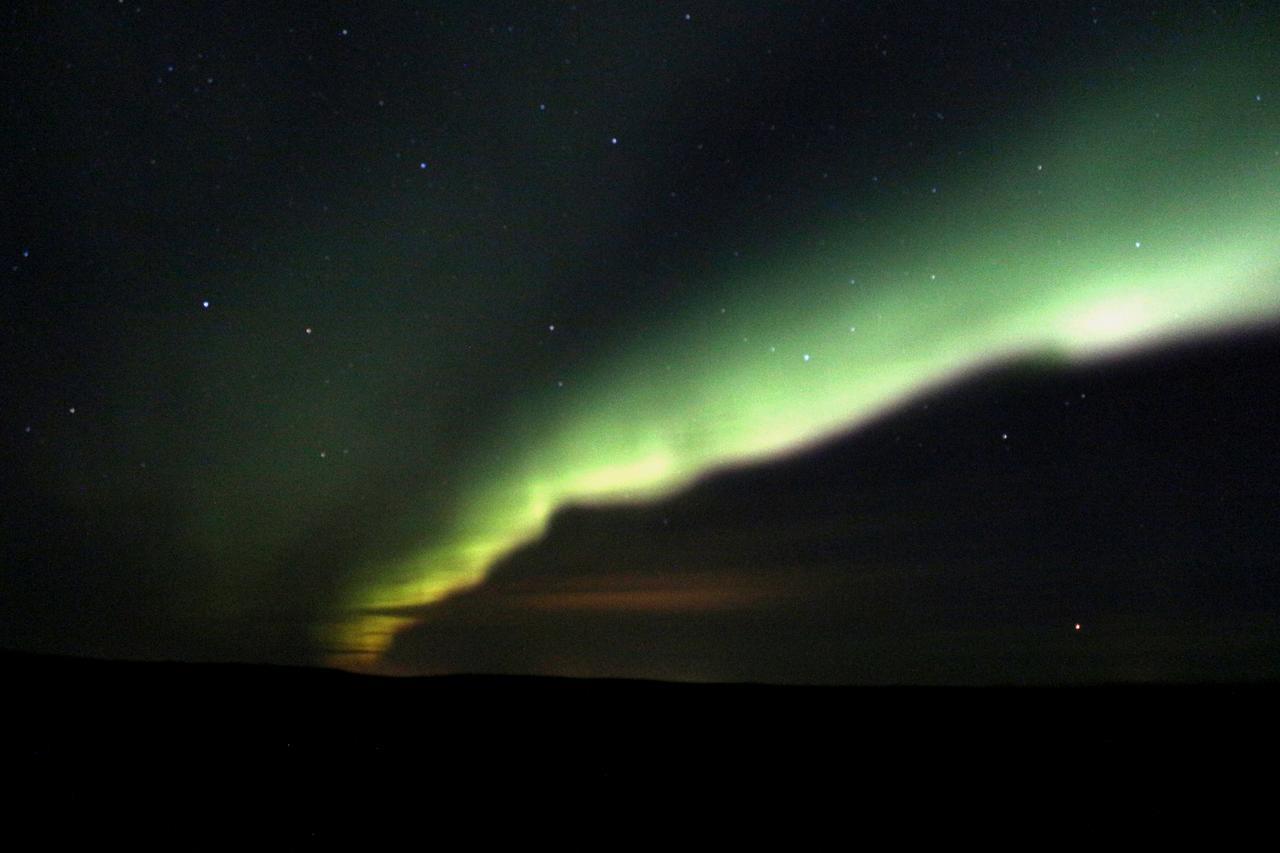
pixel 314 317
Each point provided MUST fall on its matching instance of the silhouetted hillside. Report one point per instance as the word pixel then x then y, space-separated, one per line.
pixel 176 751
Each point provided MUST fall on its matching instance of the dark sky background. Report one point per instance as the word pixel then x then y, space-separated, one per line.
pixel 804 341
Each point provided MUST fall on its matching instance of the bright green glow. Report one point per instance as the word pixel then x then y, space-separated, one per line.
pixel 1130 231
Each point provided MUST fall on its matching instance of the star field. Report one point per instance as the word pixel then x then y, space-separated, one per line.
pixel 315 315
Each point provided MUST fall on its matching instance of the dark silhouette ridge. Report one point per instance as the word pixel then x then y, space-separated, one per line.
pixel 308 736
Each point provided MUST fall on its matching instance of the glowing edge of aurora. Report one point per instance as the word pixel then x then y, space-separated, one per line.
pixel 1127 231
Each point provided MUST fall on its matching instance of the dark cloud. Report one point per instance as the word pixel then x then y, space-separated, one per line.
pixel 1137 498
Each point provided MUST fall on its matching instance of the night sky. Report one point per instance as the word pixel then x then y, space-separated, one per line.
pixel 795 342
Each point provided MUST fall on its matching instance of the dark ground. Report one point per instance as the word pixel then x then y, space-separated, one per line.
pixel 322 753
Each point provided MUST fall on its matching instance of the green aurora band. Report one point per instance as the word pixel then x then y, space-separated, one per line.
pixel 1129 214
